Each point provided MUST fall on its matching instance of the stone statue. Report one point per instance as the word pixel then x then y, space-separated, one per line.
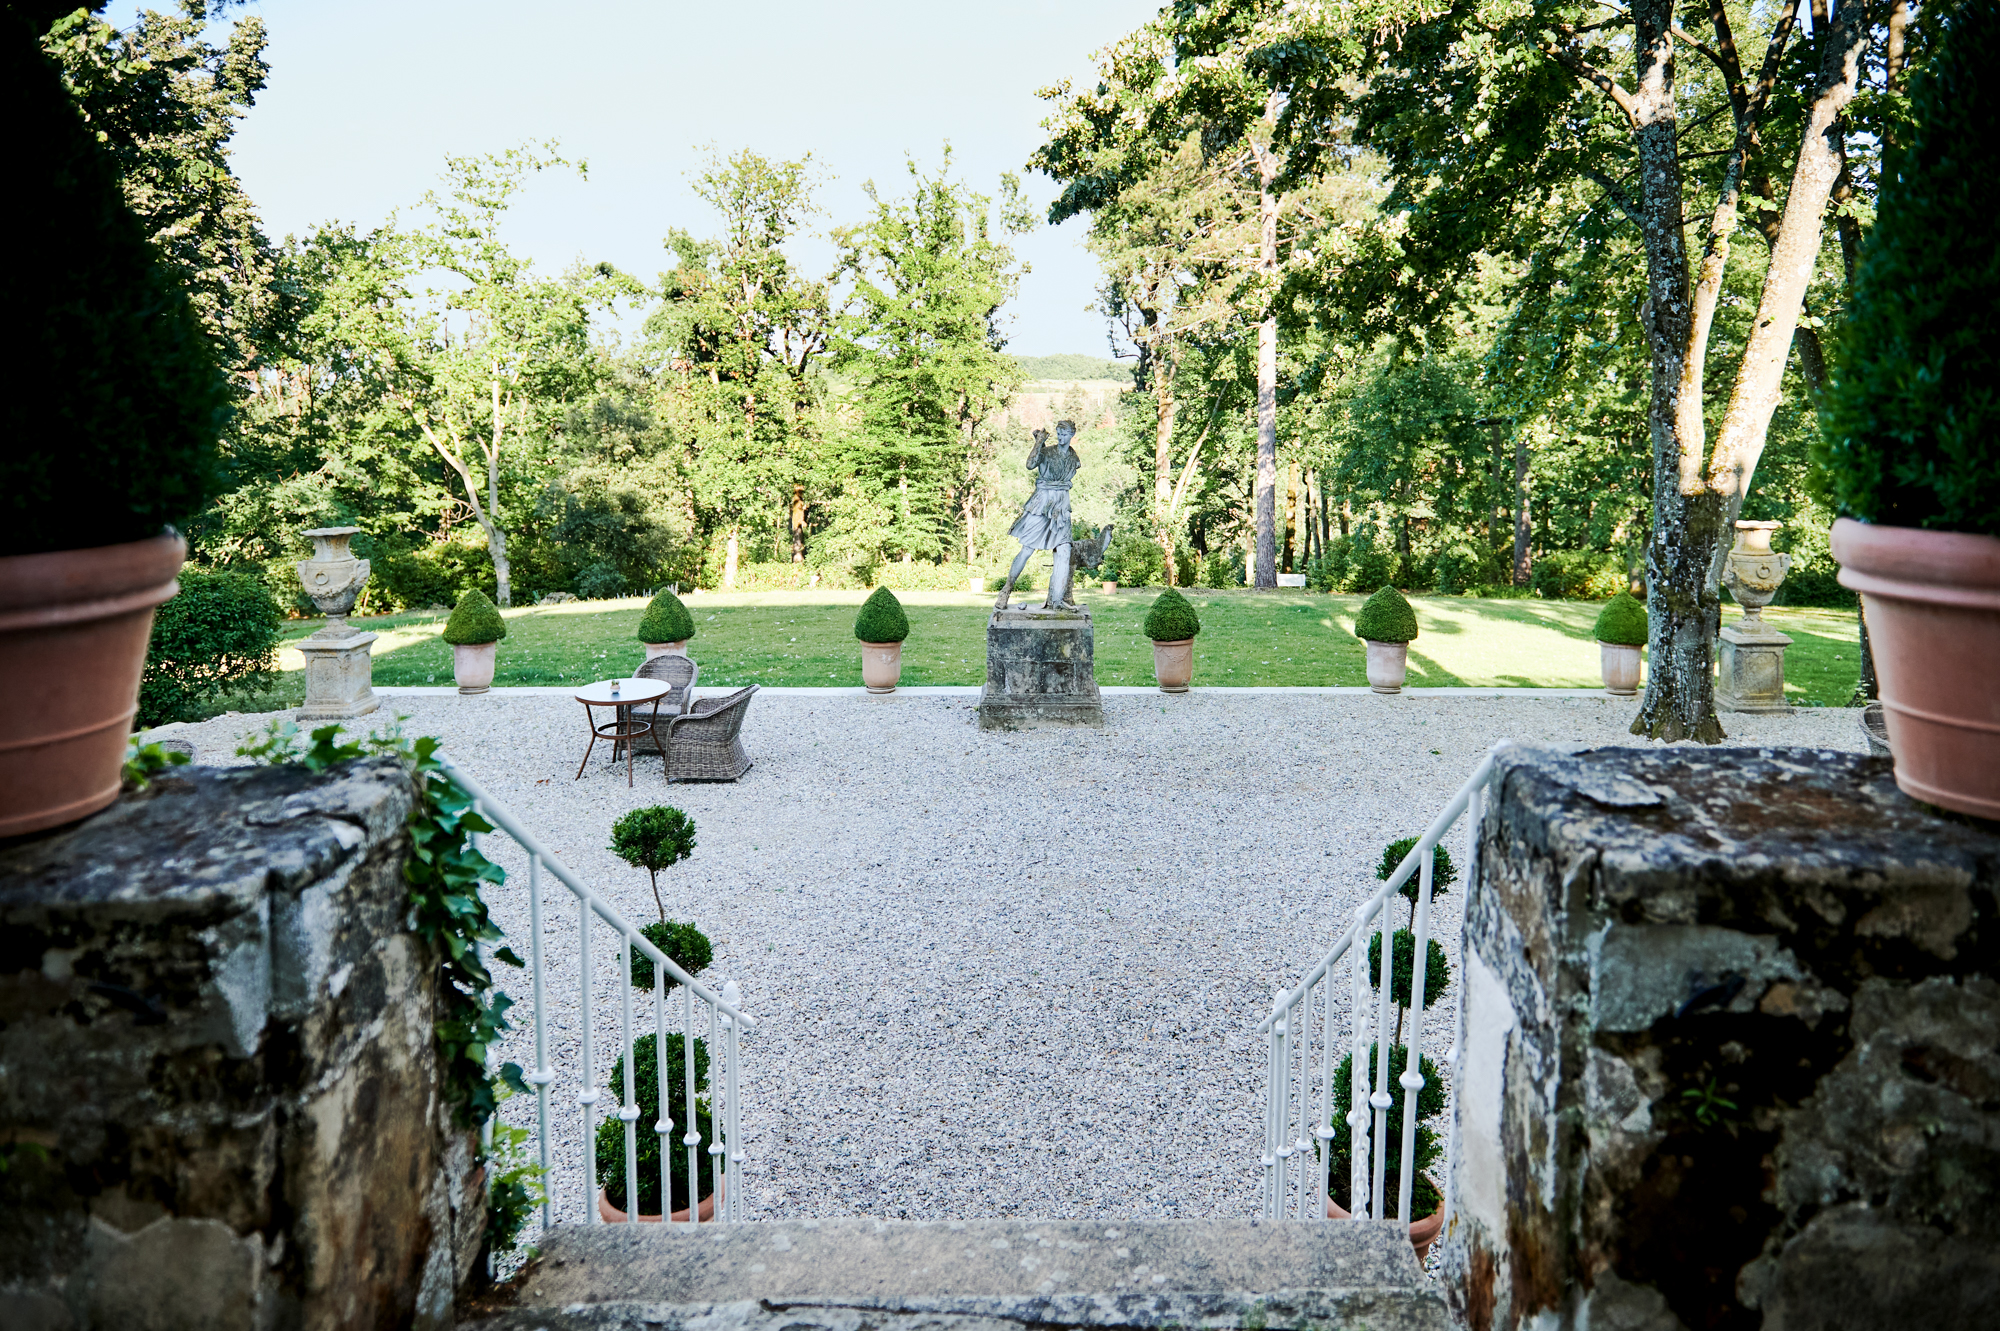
pixel 1044 522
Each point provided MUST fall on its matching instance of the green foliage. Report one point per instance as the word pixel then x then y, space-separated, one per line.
pixel 610 1152
pixel 666 620
pixel 1578 575
pixel 1437 971
pixel 1132 560
pixel 115 403
pixel 1386 617
pixel 653 839
pixel 1069 366
pixel 1462 566
pixel 683 944
pixel 881 618
pixel 1622 621
pixel 1171 619
pixel 143 762
pixel 476 620
pixel 218 634
pixel 1424 1195
pixel 1443 872
pixel 1911 415
pixel 515 1185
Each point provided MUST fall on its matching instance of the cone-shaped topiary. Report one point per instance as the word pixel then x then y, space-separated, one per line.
pixel 666 620
pixel 1910 421
pixel 1171 619
pixel 881 618
pixel 1386 617
pixel 1622 621
pixel 475 621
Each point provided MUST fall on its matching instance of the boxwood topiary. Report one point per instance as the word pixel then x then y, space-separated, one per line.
pixel 1622 621
pixel 475 622
pixel 1171 619
pixel 646 1090
pixel 685 946
pixel 1443 872
pixel 666 620
pixel 218 635
pixel 1910 422
pixel 1424 1196
pixel 1386 617
pixel 653 839
pixel 882 618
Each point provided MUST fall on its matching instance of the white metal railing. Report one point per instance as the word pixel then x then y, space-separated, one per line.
pixel 721 1012
pixel 1292 1132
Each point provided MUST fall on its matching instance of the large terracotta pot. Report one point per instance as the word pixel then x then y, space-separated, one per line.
pixel 611 1215
pixel 1388 665
pixel 881 665
pixel 73 631
pixel 1932 599
pixel 1423 1233
pixel 654 649
pixel 1173 665
pixel 1620 664
pixel 472 665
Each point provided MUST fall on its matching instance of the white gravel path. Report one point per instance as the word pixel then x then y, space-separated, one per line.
pixel 1005 975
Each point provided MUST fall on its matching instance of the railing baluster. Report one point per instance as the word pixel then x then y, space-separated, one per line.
pixel 732 1136
pixel 542 1075
pixel 692 1137
pixel 1301 1024
pixel 628 1112
pixel 587 1096
pixel 1323 1121
pixel 1412 1080
pixel 716 1183
pixel 1379 1101
pixel 1357 1080
pixel 663 1122
pixel 1272 1081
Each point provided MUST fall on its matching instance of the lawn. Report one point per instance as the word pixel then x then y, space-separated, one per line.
pixel 1270 638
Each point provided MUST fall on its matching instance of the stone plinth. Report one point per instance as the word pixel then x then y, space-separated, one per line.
pixel 1040 670
pixel 339 677
pixel 219 1100
pixel 1752 676
pixel 1731 1041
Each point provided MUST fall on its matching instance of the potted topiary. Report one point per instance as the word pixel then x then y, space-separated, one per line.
pixel 474 632
pixel 881 626
pixel 1621 633
pixel 1387 624
pixel 113 408
pixel 651 1142
pixel 1172 624
pixel 653 839
pixel 1910 428
pixel 666 626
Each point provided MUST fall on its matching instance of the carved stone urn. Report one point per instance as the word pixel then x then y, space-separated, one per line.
pixel 1752 675
pixel 339 669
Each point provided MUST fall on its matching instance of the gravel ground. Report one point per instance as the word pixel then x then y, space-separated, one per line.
pixel 1001 975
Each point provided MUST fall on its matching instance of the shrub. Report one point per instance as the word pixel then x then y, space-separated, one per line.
pixel 684 945
pixel 653 839
pixel 1133 560
pixel 1462 567
pixel 1622 621
pixel 1437 971
pixel 1443 872
pixel 646 1072
pixel 666 620
pixel 600 582
pixel 1171 619
pixel 882 618
pixel 1223 568
pixel 219 634
pixel 1386 617
pixel 114 403
pixel 1372 567
pixel 1910 421
pixel 475 621
pixel 1424 1195
pixel 1578 575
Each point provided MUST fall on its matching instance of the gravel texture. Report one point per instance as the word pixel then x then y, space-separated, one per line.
pixel 1000 974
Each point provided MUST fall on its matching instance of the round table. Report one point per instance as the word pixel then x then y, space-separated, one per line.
pixel 623 728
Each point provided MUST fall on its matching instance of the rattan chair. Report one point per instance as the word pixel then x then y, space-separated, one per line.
pixel 703 745
pixel 679 671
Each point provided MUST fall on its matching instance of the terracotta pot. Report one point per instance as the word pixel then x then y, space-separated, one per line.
pixel 611 1215
pixel 1110 586
pixel 472 665
pixel 881 665
pixel 654 649
pixel 1388 665
pixel 1423 1233
pixel 1620 664
pixel 1173 665
pixel 1932 600
pixel 73 631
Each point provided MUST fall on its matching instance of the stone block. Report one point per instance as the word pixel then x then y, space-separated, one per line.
pixel 220 1104
pixel 1730 1045
pixel 1040 670
pixel 1751 670
pixel 339 677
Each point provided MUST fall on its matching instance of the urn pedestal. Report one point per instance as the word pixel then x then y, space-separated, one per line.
pixel 339 669
pixel 1040 670
pixel 1752 655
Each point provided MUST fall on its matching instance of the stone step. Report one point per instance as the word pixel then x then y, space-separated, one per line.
pixel 973 1275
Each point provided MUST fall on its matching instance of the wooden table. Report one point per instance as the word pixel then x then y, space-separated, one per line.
pixel 622 695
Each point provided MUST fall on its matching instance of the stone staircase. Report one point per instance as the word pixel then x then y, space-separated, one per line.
pixel 975 1275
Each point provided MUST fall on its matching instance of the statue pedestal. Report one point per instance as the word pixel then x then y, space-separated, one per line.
pixel 1752 678
pixel 1040 671
pixel 338 677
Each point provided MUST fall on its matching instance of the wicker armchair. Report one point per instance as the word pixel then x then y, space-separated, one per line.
pixel 679 671
pixel 703 745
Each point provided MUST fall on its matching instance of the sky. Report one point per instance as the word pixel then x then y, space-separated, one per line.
pixel 366 98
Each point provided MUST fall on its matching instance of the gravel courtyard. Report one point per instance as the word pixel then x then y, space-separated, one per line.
pixel 1002 975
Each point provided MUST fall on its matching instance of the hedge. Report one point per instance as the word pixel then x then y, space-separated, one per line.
pixel 219 634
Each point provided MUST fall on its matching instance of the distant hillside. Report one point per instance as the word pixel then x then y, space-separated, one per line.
pixel 1074 367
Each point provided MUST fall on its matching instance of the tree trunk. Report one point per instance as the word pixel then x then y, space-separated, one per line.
pixel 1522 528
pixel 1267 382
pixel 496 539
pixel 798 524
pixel 729 553
pixel 496 546
pixel 1163 457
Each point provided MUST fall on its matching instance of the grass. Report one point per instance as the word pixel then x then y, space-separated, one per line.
pixel 1269 638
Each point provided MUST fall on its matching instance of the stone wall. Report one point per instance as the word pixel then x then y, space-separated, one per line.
pixel 219 1105
pixel 1731 1039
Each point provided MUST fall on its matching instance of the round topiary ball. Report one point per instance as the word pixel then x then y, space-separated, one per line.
pixel 881 618
pixel 476 621
pixel 1386 617
pixel 1171 619
pixel 666 620
pixel 1622 621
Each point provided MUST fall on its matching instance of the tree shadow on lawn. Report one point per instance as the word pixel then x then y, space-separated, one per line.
pixel 1435 675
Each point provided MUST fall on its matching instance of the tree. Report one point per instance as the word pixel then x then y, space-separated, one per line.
pixel 654 839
